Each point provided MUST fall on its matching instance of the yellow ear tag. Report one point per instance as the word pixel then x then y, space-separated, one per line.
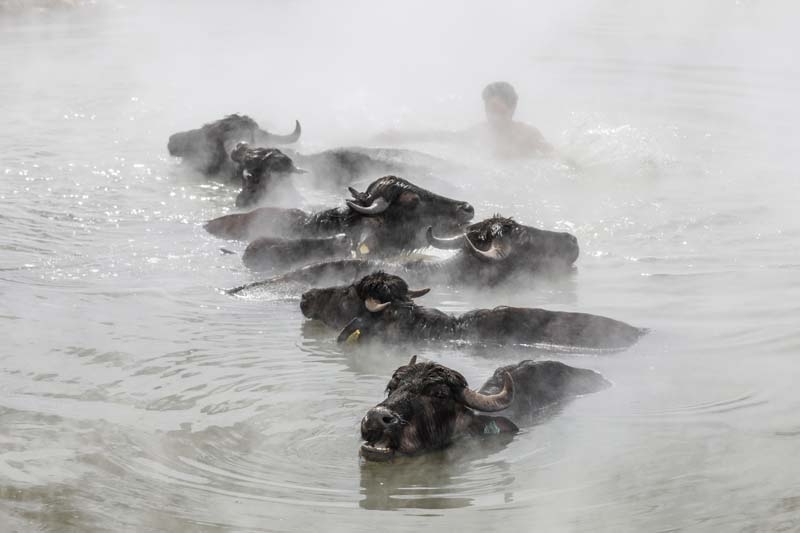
pixel 353 338
pixel 363 249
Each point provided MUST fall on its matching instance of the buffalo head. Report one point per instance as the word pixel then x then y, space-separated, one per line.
pixel 397 211
pixel 427 407
pixel 503 243
pixel 261 170
pixel 337 306
pixel 206 149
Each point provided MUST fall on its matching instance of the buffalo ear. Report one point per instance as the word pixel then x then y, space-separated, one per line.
pixel 238 152
pixel 409 199
pixel 492 425
pixel 351 333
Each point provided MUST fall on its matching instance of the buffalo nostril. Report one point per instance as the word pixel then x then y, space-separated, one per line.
pixel 380 417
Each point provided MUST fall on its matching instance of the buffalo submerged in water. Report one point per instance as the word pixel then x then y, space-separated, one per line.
pixel 263 171
pixel 390 217
pixel 210 151
pixel 380 307
pixel 487 253
pixel 429 406
pixel 208 148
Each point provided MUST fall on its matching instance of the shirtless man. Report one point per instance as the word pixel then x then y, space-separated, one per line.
pixel 501 134
pixel 507 137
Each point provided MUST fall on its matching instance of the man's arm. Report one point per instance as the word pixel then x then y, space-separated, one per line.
pixel 533 141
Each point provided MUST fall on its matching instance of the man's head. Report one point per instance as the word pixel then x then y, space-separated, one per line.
pixel 500 102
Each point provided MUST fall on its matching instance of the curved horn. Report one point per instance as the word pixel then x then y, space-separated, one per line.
pixel 412 361
pixel 494 253
pixel 373 305
pixel 416 293
pixel 354 192
pixel 452 243
pixel 377 207
pixel 490 402
pixel 271 138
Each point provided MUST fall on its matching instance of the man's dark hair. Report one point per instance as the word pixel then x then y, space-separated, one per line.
pixel 503 90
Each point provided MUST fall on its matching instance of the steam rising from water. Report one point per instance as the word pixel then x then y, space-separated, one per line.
pixel 136 396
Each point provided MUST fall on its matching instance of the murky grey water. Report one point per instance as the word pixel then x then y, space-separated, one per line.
pixel 135 396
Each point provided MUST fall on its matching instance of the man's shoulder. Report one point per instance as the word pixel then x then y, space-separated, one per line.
pixel 529 140
pixel 521 128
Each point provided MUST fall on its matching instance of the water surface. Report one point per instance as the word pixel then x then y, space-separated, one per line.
pixel 136 396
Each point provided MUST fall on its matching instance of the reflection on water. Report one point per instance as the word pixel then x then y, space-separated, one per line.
pixel 138 396
pixel 447 479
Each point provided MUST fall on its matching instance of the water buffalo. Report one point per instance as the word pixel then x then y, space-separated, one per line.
pixel 208 148
pixel 386 311
pixel 338 167
pixel 276 252
pixel 262 170
pixel 492 251
pixel 391 216
pixel 429 406
pixel 498 247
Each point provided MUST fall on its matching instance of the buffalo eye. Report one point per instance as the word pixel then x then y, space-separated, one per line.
pixel 440 391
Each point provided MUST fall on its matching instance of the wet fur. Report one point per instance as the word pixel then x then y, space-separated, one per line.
pixel 426 399
pixel 262 171
pixel 405 321
pixel 424 396
pixel 399 228
pixel 269 252
pixel 204 149
pixel 540 384
pixel 535 252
